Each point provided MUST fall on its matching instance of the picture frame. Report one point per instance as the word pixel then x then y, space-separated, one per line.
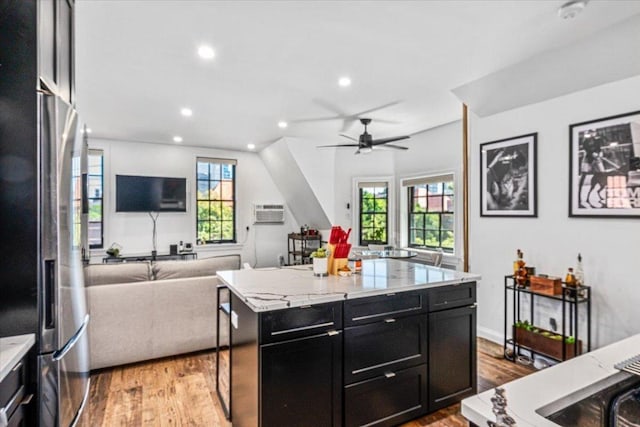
pixel 508 177
pixel 604 171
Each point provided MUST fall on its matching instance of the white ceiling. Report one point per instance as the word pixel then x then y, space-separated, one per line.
pixel 136 63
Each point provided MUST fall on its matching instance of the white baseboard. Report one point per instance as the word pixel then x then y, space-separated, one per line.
pixel 490 334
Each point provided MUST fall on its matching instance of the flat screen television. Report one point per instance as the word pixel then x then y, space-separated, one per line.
pixel 150 194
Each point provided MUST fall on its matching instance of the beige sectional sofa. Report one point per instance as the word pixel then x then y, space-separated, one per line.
pixel 143 310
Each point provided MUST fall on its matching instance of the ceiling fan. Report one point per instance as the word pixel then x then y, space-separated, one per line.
pixel 366 143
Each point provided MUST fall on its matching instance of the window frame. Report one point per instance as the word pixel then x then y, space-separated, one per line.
pixel 452 256
pixel 96 152
pixel 428 197
pixel 355 214
pixel 361 213
pixel 218 161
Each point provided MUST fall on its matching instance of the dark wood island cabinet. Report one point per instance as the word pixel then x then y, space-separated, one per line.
pixel 376 360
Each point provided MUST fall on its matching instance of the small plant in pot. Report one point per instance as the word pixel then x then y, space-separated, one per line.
pixel 320 262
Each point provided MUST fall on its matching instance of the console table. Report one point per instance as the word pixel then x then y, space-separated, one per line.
pixel 162 257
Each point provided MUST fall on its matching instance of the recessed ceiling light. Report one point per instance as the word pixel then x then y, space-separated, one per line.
pixel 251 146
pixel 206 52
pixel 571 9
pixel 177 139
pixel 187 112
pixel 344 81
pixel 282 124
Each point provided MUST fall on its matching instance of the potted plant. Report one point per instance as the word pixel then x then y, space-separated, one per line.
pixel 543 341
pixel 320 262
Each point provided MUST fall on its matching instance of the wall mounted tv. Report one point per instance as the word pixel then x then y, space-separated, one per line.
pixel 150 194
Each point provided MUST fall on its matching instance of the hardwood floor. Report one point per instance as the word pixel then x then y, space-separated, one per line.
pixel 180 391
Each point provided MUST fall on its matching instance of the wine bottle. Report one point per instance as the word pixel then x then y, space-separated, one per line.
pixel 579 273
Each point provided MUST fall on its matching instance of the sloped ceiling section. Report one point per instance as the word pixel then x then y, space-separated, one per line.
pixel 606 56
pixel 298 194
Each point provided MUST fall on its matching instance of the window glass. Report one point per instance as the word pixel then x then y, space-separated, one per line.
pixel 95 193
pixel 431 219
pixel 216 201
pixel 374 205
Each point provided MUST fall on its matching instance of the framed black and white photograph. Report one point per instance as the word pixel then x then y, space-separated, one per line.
pixel 604 177
pixel 508 177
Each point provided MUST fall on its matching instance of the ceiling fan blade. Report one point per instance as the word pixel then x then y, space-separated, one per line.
pixel 385 146
pixel 390 122
pixel 371 110
pixel 349 137
pixel 331 107
pixel 386 140
pixel 315 119
pixel 338 145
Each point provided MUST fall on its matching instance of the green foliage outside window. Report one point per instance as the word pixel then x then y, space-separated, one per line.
pixel 431 216
pixel 373 215
pixel 215 202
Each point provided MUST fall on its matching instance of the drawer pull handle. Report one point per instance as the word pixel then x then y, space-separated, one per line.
pixel 391 294
pixel 27 400
pixel 390 320
pixel 302 328
pixel 18 366
pixel 389 374
pixel 474 305
pixel 332 332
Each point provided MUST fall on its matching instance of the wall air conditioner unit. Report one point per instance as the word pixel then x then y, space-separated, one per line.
pixel 268 214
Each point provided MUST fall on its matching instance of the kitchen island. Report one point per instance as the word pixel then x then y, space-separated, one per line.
pixel 530 400
pixel 381 347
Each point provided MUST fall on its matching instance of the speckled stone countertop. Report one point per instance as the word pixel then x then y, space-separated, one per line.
pixel 277 288
pixel 12 349
pixel 527 396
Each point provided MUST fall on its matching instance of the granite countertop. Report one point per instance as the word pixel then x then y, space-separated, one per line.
pixel 12 349
pixel 527 395
pixel 268 289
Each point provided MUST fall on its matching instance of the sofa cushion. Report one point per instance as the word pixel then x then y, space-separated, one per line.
pixel 201 267
pixel 128 272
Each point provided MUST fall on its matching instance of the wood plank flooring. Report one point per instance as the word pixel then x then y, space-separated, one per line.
pixel 180 391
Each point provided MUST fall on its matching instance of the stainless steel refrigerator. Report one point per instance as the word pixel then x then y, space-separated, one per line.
pixel 63 357
pixel 42 224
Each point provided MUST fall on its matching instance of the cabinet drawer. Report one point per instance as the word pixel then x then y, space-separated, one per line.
pixel 387 400
pixel 452 296
pixel 12 383
pixel 298 322
pixel 372 309
pixel 373 349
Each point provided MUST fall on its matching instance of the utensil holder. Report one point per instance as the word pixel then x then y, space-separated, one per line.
pixel 338 263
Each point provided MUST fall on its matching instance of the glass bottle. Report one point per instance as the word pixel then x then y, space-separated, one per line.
pixel 519 262
pixel 570 279
pixel 579 274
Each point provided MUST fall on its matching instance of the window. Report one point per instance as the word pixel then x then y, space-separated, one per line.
pixel 95 198
pixel 373 209
pixel 216 200
pixel 431 219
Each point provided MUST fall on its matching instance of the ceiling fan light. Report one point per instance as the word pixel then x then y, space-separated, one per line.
pixel 571 9
pixel 365 150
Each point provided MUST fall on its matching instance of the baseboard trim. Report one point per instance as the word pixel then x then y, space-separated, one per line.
pixel 490 334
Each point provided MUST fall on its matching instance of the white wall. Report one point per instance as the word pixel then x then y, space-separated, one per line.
pixel 437 151
pixel 134 230
pixel 551 242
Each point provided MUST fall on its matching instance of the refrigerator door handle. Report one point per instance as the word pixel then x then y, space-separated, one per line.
pixel 50 293
pixel 58 355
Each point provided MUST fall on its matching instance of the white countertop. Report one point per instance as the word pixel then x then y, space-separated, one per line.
pixel 526 395
pixel 12 349
pixel 268 289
